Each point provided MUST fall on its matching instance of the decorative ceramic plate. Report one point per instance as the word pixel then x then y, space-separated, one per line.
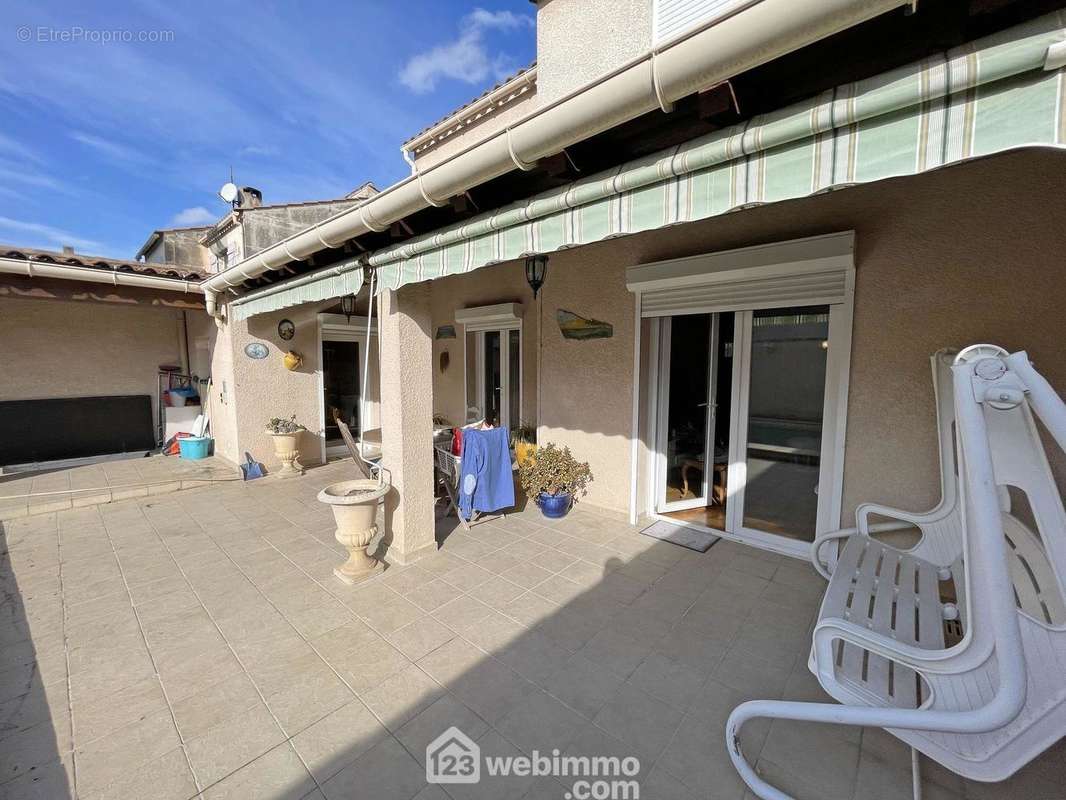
pixel 286 329
pixel 256 350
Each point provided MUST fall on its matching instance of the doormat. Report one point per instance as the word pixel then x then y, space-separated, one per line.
pixel 693 539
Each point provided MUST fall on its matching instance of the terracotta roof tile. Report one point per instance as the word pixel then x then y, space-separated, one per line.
pixel 176 271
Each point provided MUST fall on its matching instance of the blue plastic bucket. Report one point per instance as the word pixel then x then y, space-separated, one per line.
pixel 194 447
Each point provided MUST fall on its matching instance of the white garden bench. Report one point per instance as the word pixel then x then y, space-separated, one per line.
pixel 989 695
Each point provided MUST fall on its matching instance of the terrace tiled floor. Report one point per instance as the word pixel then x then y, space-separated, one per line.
pixel 197 645
pixel 62 488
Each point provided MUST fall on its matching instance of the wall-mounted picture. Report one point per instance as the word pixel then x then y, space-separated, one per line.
pixel 574 326
pixel 286 329
pixel 445 332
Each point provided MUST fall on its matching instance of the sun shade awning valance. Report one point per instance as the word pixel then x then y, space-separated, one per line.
pixel 337 281
pixel 989 96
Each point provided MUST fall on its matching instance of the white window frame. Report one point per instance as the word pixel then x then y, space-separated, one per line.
pixel 502 319
pixel 815 257
pixel 338 328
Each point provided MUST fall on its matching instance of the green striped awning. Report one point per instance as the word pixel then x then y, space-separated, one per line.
pixel 992 95
pixel 336 281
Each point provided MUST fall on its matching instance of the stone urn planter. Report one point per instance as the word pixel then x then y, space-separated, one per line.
pixel 355 508
pixel 288 453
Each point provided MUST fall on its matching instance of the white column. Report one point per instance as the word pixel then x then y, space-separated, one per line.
pixel 406 341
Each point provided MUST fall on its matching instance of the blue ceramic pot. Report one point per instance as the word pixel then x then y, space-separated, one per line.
pixel 554 506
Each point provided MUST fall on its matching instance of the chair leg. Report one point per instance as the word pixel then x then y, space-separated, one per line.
pixel 916 774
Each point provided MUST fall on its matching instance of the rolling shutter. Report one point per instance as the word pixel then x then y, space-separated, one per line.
pixel 803 272
pixel 673 17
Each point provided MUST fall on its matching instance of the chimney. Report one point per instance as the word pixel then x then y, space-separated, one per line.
pixel 249 197
pixel 68 250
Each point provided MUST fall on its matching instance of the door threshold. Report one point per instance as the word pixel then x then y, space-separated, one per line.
pixel 799 550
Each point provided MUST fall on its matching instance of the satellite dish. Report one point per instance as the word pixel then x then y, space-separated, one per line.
pixel 228 192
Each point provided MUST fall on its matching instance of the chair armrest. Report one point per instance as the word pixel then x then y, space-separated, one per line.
pixel 863 512
pixel 820 541
pixel 917 658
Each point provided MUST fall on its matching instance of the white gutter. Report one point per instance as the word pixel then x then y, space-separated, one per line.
pixel 704 56
pixel 38 269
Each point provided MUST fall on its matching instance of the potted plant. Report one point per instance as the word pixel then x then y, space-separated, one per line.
pixel 285 433
pixel 523 441
pixel 553 478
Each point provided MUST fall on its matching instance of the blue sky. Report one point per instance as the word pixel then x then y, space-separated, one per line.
pixel 103 141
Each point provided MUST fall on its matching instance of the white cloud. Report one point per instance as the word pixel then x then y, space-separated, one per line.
pixel 110 149
pixel 465 59
pixel 197 215
pixel 45 236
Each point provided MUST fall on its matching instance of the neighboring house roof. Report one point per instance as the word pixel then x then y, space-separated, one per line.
pixel 507 90
pixel 178 272
pixel 153 237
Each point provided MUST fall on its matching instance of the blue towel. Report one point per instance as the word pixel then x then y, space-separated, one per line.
pixel 485 482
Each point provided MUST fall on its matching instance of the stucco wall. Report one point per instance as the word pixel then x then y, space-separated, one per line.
pixel 504 283
pixel 248 392
pixel 56 348
pixel 967 254
pixel 579 40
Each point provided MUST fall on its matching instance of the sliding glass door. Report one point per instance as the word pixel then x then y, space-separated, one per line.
pixel 745 408
pixel 494 376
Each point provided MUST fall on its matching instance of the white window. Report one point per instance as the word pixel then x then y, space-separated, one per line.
pixel 493 362
pixel 674 17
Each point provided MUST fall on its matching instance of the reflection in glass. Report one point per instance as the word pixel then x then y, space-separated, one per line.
pixel 492 378
pixel 789 352
pixel 473 410
pixel 340 387
pixel 686 414
pixel 514 377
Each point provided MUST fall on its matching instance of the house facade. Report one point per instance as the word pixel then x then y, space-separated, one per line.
pixel 750 258
pixel 743 290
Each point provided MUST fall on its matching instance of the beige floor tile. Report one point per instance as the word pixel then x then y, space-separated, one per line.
pixel 639 720
pixel 390 616
pixel 101 716
pixel 197 714
pixel 368 665
pixel 277 774
pixel 451 660
pixel 447 712
pixel 385 772
pixel 44 743
pixel 432 595
pixel 165 778
pixel 462 613
pixel 311 692
pixel 421 637
pixel 497 592
pixel 540 722
pixel 530 609
pixel 109 758
pixel 399 698
pixel 237 741
pixel 490 689
pixel 334 741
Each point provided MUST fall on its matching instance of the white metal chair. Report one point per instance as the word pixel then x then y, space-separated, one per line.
pixel 940 526
pixel 986 704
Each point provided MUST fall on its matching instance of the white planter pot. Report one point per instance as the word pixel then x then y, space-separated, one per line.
pixel 288 453
pixel 355 508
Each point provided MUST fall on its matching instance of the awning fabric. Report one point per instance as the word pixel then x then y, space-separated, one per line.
pixel 985 97
pixel 336 281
